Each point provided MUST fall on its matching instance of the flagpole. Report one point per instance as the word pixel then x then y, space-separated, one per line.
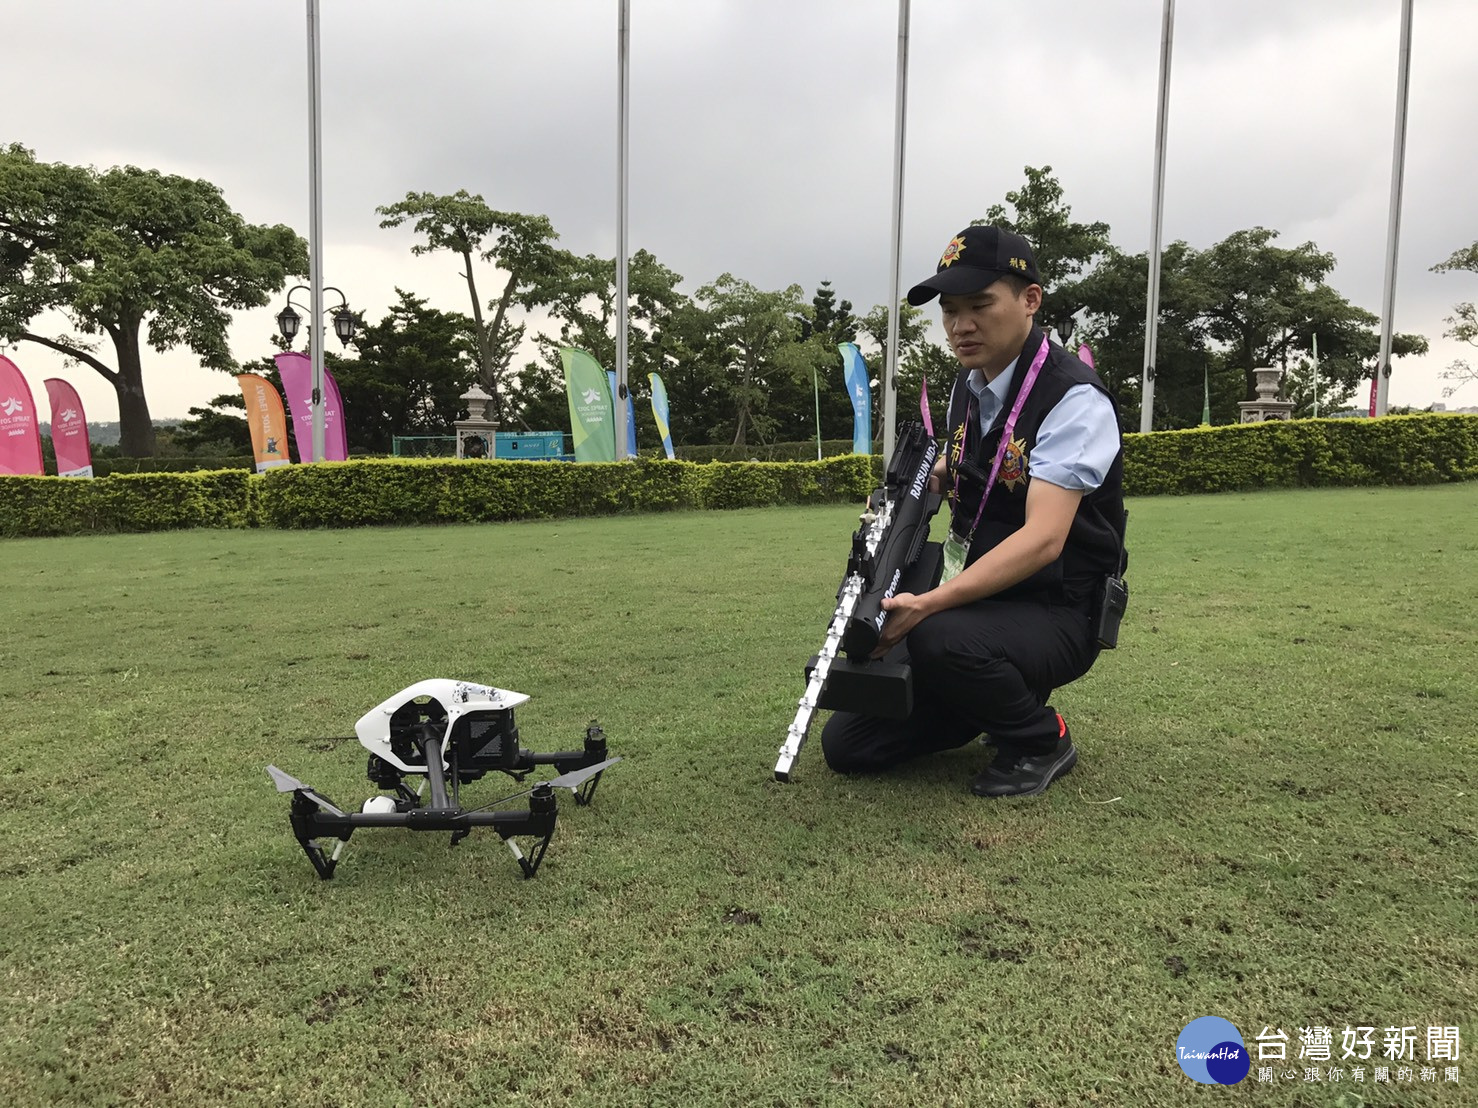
pixel 623 35
pixel 890 367
pixel 1316 376
pixel 1393 228
pixel 816 388
pixel 315 237
pixel 1157 211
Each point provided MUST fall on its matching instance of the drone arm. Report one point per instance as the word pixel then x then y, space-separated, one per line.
pixel 568 760
pixel 562 760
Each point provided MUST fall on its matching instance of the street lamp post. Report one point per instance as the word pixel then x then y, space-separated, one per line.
pixel 344 327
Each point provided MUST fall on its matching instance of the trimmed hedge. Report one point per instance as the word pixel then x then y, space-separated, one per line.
pixel 125 502
pixel 413 491
pixel 107 467
pixel 1397 450
pixel 406 491
pixel 1303 453
pixel 771 452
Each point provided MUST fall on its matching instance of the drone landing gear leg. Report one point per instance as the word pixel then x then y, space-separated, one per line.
pixel 541 807
pixel 303 816
pixel 595 751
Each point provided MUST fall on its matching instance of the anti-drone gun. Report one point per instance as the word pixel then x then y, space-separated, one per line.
pixel 890 554
pixel 447 733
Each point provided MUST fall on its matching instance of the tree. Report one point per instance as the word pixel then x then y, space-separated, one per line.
pixel 1463 323
pixel 580 293
pixel 1299 382
pixel 215 433
pixel 828 319
pixel 135 255
pixel 742 351
pixel 1114 298
pixel 823 328
pixel 413 367
pixel 917 357
pixel 1225 311
pixel 1064 249
pixel 1266 303
pixel 519 245
pixel 913 328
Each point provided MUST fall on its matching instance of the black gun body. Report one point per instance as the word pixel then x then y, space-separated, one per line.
pixel 912 505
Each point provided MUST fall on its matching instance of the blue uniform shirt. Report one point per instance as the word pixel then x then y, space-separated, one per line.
pixel 1077 441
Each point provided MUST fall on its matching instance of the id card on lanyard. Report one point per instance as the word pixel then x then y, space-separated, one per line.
pixel 956 548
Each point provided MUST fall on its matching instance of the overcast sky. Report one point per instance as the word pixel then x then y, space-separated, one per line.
pixel 761 133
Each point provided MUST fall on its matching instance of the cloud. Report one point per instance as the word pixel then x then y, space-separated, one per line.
pixel 761 132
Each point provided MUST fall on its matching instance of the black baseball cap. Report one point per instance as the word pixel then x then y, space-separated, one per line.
pixel 975 259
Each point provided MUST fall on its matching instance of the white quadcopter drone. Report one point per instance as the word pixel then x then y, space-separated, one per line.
pixel 446 731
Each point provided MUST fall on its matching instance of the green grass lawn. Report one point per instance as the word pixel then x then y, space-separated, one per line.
pixel 1272 821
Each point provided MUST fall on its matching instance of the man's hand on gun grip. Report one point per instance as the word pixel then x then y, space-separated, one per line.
pixel 904 613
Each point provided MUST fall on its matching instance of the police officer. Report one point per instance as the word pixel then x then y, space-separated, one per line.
pixel 1033 468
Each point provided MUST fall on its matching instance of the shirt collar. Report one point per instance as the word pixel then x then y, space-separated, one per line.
pixel 999 389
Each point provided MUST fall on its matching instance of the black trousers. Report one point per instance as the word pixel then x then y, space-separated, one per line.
pixel 984 668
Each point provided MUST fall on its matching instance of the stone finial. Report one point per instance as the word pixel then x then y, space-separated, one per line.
pixel 1267 382
pixel 1267 405
pixel 477 402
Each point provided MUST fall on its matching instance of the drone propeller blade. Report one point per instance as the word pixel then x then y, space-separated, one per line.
pixel 577 777
pixel 285 782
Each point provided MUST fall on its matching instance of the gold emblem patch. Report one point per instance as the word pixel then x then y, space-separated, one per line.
pixel 952 252
pixel 1013 464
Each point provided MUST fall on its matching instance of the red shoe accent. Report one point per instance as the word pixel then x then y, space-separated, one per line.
pixel 1061 726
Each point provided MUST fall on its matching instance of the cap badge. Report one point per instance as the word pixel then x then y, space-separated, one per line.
pixel 952 252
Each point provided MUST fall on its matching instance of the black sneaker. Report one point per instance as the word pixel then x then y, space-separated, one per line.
pixel 1014 774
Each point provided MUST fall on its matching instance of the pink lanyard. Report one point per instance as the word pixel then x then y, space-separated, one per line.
pixel 995 469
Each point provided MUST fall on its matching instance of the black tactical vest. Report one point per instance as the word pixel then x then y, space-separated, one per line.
pixel 1095 539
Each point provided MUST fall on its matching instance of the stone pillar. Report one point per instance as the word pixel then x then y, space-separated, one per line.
pixel 477 435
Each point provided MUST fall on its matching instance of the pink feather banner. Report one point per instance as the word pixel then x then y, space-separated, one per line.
pixel 296 371
pixel 68 430
pixel 20 434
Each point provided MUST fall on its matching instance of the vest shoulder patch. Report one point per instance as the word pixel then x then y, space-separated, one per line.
pixel 1013 465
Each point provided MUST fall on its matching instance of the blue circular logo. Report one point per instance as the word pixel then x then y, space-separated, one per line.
pixel 1210 1050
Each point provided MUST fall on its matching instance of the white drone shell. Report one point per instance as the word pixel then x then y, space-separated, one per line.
pixel 457 697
